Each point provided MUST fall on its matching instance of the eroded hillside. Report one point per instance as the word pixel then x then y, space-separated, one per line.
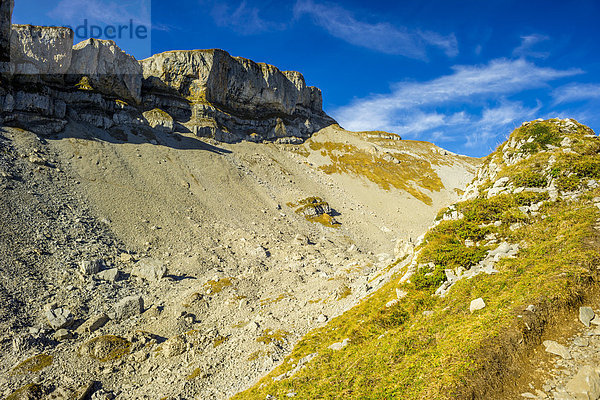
pixel 236 251
pixel 463 314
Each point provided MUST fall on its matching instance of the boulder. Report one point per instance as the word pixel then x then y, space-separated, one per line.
pixel 109 275
pixel 585 385
pixel 93 324
pixel 129 307
pixel 109 69
pixel 106 348
pixel 36 50
pixel 557 349
pixel 477 304
pixel 158 119
pixel 90 267
pixel 340 345
pixel 149 269
pixel 586 314
pixel 59 318
pixel 174 346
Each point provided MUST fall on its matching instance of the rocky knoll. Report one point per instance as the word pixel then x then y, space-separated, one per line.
pixel 49 82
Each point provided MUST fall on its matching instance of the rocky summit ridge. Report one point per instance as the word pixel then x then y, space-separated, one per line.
pixel 49 81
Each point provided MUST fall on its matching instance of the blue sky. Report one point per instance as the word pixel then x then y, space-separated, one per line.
pixel 461 74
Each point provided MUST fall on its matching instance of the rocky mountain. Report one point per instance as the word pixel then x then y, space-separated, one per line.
pixel 49 82
pixel 172 227
pixel 193 225
pixel 495 301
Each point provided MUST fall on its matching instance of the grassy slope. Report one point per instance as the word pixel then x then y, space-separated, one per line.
pixel 400 352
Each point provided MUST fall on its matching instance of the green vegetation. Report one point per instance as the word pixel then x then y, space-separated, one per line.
pixel 394 170
pixel 269 336
pixel 217 286
pixel 398 351
pixel 30 391
pixel 107 348
pixel 33 364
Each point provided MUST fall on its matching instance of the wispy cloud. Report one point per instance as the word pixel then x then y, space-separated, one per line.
pixel 243 19
pixel 527 44
pixel 70 12
pixel 576 92
pixel 381 36
pixel 415 108
pixel 484 130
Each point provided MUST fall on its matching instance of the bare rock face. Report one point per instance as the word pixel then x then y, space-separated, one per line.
pixel 205 92
pixel 231 98
pixel 6 8
pixel 39 50
pixel 108 68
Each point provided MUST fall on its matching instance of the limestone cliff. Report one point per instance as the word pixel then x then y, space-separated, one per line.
pixel 232 96
pixel 49 82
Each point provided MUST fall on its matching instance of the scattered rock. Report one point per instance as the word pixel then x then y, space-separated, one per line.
pixel 59 318
pixel 105 348
pixel 477 304
pixel 90 267
pixel 149 269
pixel 109 275
pixel 321 319
pixel 581 342
pixel 585 385
pixel 92 324
pixel 586 314
pixel 129 307
pixel 557 349
pixel 174 346
pixel 530 308
pixel 63 334
pixel 391 303
pixel 339 345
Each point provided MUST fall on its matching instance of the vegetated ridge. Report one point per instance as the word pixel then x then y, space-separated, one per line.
pixel 464 310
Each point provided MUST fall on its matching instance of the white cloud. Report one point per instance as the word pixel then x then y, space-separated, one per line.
pixel 382 36
pixel 527 44
pixel 576 92
pixel 470 103
pixel 466 84
pixel 493 122
pixel 243 18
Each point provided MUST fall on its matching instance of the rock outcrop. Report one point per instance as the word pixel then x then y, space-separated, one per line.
pixel 50 82
pixel 6 8
pixel 232 97
pixel 38 50
pixel 109 69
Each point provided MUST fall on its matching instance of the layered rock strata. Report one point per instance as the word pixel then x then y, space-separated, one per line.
pixel 50 82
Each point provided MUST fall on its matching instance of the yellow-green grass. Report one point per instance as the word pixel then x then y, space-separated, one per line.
pixel 411 174
pixel 451 353
pixel 217 286
pixel 33 364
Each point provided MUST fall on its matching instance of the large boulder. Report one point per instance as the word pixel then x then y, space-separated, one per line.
pixel 108 69
pixel 40 50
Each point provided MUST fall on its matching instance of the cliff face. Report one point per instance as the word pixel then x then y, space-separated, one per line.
pixel 6 7
pixel 48 82
pixel 231 96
